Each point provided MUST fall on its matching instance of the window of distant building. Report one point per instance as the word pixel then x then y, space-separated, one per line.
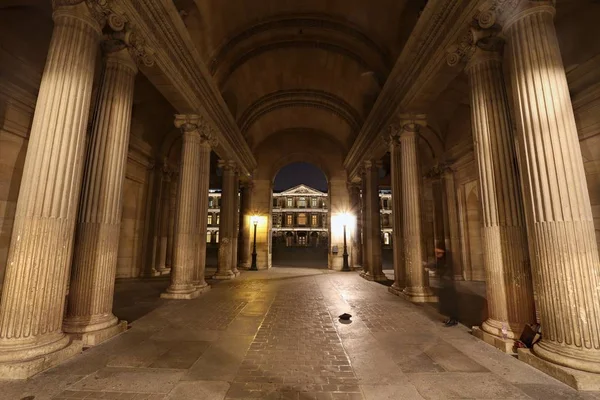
pixel 208 237
pixel 290 203
pixel 274 202
pixel 218 219
pixel 210 202
pixel 385 204
pixel 217 237
pixel 313 202
pixel 313 220
pixel 301 219
pixel 302 202
pixel 386 238
pixel 209 222
pixel 288 220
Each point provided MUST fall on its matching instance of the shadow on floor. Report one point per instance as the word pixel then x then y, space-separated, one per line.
pixel 300 257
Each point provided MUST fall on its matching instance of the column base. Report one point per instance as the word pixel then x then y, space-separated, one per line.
pixel 459 278
pixel 163 271
pixel 188 295
pixel 236 272
pixel 375 278
pixel 419 295
pixel 395 291
pixel 505 345
pixel 94 338
pixel 579 380
pixel 28 368
pixel 225 275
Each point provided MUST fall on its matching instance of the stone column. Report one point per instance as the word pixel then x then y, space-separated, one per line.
pixel 163 226
pixel 171 227
pixel 559 215
pixel 89 309
pixel 363 224
pixel 397 238
pixel 245 244
pixel 33 296
pixel 372 223
pixel 183 270
pixel 453 252
pixel 417 279
pixel 226 223
pixel 236 224
pixel 208 141
pixel 356 229
pixel 508 275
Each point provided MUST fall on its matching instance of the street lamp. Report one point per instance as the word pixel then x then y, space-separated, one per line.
pixel 345 267
pixel 253 267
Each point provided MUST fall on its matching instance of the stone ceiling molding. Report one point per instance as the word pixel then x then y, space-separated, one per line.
pixel 300 98
pixel 317 31
pixel 300 131
pixel 182 77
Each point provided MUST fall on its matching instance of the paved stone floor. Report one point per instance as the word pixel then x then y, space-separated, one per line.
pixel 276 335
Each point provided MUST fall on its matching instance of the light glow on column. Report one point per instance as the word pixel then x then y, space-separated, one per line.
pixel 339 220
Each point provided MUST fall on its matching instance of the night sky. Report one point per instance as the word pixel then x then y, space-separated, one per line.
pixel 300 173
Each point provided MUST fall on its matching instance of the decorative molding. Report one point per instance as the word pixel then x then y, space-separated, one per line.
pixel 299 98
pixel 188 79
pixel 440 22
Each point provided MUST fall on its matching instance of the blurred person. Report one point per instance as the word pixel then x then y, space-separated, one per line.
pixel 448 294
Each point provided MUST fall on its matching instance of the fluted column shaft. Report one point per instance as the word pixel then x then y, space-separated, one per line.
pixel 244 244
pixel 417 281
pixel 508 275
pixel 363 225
pixel 397 238
pixel 163 226
pixel 202 222
pixel 99 223
pixel 235 222
pixel 171 227
pixel 557 204
pixel 356 245
pixel 31 310
pixel 183 270
pixel 224 267
pixel 372 223
pixel 453 249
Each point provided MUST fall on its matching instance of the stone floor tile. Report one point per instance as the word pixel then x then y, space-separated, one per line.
pixel 405 391
pixel 221 360
pixel 181 355
pixel 556 392
pixel 464 385
pixel 138 380
pixel 199 390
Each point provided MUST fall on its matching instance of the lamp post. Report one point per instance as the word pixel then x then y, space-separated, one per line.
pixel 253 266
pixel 345 266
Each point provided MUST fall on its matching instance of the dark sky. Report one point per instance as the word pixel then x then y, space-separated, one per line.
pixel 300 173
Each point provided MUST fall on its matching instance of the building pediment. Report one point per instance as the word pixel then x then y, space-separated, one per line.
pixel 301 190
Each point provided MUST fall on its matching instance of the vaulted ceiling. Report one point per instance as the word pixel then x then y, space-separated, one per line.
pixel 299 65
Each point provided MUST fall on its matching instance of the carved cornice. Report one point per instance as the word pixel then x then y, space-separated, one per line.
pixel 299 98
pixel 183 69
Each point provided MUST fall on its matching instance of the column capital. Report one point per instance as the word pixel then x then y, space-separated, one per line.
pixel 121 35
pixel 477 45
pixel 77 9
pixel 227 165
pixel 505 12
